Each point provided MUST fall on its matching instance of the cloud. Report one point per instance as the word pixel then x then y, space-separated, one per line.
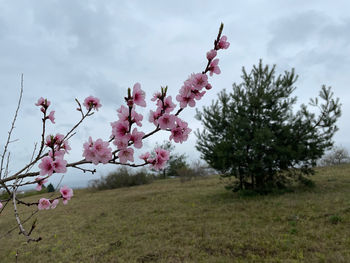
pixel 311 39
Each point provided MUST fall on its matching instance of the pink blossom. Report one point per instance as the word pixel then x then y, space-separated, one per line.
pixel 46 166
pixel 60 165
pixel 136 118
pixel 208 87
pixel 58 154
pixel 1 205
pixel 153 116
pixel 168 106
pixel 92 103
pixel 214 68
pixel 145 156
pixel 156 96
pixel 103 151
pixel 162 156
pixel 43 102
pixel 223 44
pixel 123 113
pixel 136 137
pixel 121 143
pixel 97 152
pixel 120 130
pixel 211 54
pixel 44 203
pixel 198 95
pixel 65 146
pixel 51 116
pixel 40 182
pixel 199 80
pixel 58 138
pixel 49 140
pixel 186 97
pixel 138 95
pixel 180 133
pixel 54 203
pixel 66 193
pixel 167 121
pixel 54 140
pixel 126 154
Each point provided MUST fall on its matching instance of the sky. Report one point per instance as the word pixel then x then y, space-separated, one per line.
pixel 72 49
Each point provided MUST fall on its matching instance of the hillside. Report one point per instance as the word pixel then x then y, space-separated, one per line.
pixel 196 221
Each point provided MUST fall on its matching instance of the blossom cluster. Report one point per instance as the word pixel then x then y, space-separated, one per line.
pixel 125 134
pixel 97 151
pixel 54 161
pixel 158 162
pixel 66 195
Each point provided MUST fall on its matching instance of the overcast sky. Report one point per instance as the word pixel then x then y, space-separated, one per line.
pixel 72 49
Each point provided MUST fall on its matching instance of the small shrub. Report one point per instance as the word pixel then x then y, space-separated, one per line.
pixel 335 219
pixel 196 170
pixel 121 178
pixel 50 188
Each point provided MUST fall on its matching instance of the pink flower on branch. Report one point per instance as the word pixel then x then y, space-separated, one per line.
pixel 180 133
pixel 138 95
pixel 211 54
pixel 59 165
pixel 186 97
pixel 54 203
pixel 92 103
pixel 153 116
pixel 58 154
pixel 167 121
pixel 214 68
pixel 136 137
pixel 159 162
pixel 49 166
pixel 126 154
pixel 156 96
pixel 199 81
pixel 145 156
pixel 51 116
pixel 43 102
pixel 167 106
pixel 223 44
pixel 40 181
pixel 97 152
pixel 46 166
pixel 44 203
pixel 120 130
pixel 66 193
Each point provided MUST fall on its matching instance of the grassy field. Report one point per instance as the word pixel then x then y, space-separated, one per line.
pixel 196 221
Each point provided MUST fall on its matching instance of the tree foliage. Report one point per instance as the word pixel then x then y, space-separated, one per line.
pixel 337 155
pixel 253 134
pixel 50 188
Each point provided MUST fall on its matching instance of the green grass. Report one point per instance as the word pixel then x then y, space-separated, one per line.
pixel 196 221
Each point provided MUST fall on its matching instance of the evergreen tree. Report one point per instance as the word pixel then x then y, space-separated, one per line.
pixel 50 188
pixel 253 134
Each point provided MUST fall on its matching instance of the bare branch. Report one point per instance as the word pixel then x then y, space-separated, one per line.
pixel 12 127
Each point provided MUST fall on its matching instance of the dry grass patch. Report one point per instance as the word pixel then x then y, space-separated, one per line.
pixel 195 221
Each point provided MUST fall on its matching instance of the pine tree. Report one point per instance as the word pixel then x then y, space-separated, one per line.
pixel 253 134
pixel 50 188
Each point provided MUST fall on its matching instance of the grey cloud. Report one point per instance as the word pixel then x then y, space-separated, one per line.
pixel 311 38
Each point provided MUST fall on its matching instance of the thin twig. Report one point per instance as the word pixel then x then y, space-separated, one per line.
pixel 12 127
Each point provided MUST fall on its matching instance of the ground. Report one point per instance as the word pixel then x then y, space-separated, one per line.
pixel 195 221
